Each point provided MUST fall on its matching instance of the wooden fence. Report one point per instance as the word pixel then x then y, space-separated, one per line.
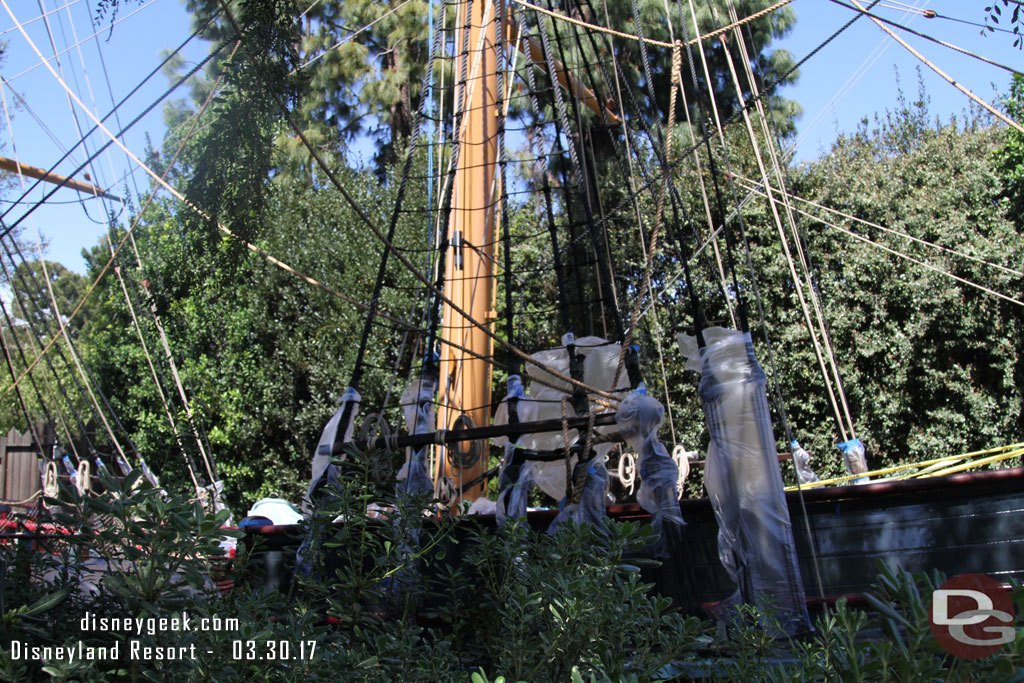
pixel 20 465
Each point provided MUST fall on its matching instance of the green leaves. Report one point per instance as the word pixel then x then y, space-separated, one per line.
pixel 923 357
pixel 1010 157
pixel 996 20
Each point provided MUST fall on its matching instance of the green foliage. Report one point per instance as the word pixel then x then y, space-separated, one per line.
pixel 926 360
pixel 891 641
pixel 30 323
pixel 929 363
pixel 575 597
pixel 772 66
pixel 996 19
pixel 232 169
pixel 29 285
pixel 419 598
pixel 133 552
pixel 364 61
pixel 1010 157
pixel 360 84
pixel 538 607
pixel 262 353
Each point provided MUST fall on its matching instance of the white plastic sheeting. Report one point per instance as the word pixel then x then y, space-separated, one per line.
pixel 322 455
pixel 543 402
pixel 514 481
pixel 638 421
pixel 589 502
pixel 805 474
pixel 417 403
pixel 743 480
pixel 853 457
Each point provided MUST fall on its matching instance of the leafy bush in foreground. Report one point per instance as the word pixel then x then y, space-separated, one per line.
pixel 418 598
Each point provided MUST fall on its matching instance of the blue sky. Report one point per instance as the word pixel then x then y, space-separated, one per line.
pixel 850 79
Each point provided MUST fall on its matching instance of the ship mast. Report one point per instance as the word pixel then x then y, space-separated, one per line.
pixel 465 376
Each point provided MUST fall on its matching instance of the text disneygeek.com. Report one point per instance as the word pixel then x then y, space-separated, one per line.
pixel 126 641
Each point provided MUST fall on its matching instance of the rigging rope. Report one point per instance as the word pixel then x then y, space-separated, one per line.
pixel 992 110
pixel 357 371
pixel 45 14
pixel 161 181
pixel 803 257
pixel 189 465
pixel 730 258
pixel 54 307
pixel 69 49
pixel 21 399
pixel 907 257
pixel 502 177
pixel 188 461
pixel 213 53
pixel 603 270
pixel 204 450
pixel 706 142
pixel 943 43
pixel 659 212
pixel 842 428
pixel 755 187
pixel 649 41
pixel 350 36
pixel 96 280
pixel 631 174
pixel 36 337
pixel 706 202
pixel 1001 453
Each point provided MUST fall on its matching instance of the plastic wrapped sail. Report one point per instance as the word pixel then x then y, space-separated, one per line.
pixel 543 401
pixel 854 459
pixel 322 456
pixel 418 406
pixel 325 474
pixel 742 477
pixel 590 490
pixel 516 477
pixel 805 474
pixel 638 420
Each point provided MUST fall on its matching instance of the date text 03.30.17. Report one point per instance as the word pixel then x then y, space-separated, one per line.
pixel 272 650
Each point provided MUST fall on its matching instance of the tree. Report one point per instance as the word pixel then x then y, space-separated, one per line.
pixel 363 62
pixel 774 67
pixel 262 354
pixel 1010 157
pixel 929 362
pixel 29 284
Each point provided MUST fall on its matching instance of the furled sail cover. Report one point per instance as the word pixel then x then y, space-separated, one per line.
pixel 322 455
pixel 590 490
pixel 418 406
pixel 805 474
pixel 638 420
pixel 544 402
pixel 516 479
pixel 854 459
pixel 742 477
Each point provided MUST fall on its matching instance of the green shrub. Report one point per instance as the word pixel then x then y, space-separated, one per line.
pixel 418 598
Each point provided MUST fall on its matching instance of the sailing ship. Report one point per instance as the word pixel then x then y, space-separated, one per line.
pixel 587 399
pixel 577 413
